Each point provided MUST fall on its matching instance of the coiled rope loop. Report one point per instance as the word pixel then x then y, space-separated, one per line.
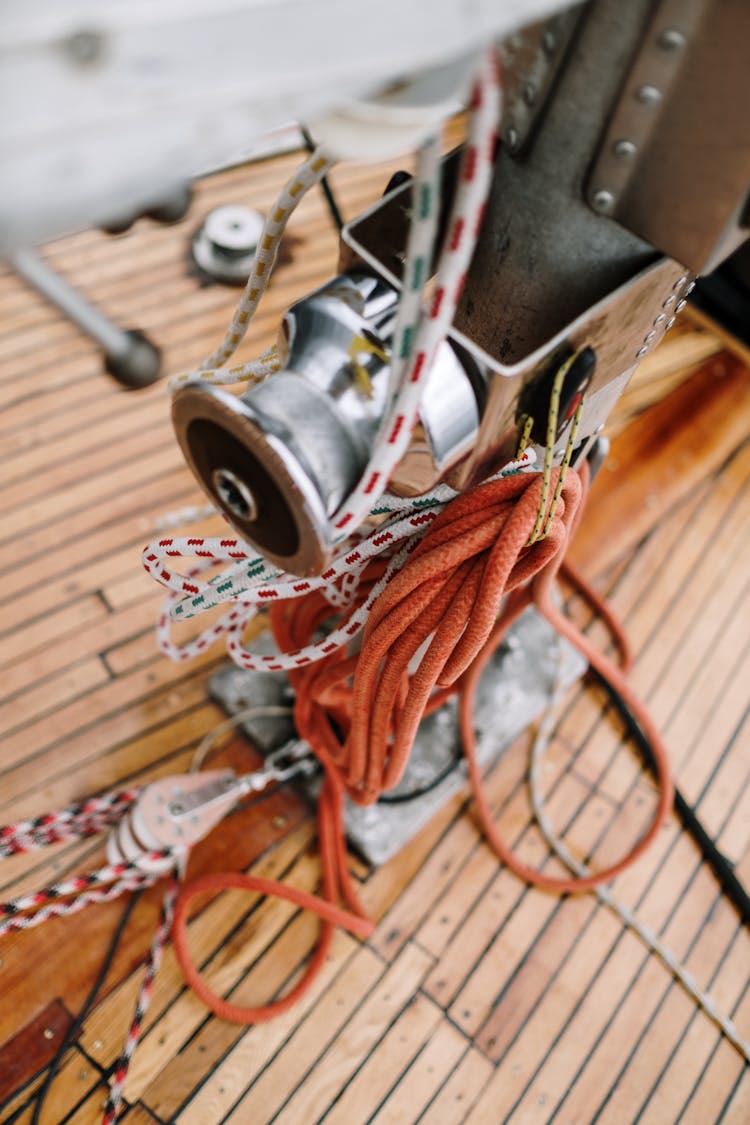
pixel 446 597
pixel 429 634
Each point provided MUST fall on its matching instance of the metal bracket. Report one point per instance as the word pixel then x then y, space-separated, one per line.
pixel 673 162
pixel 531 60
pixel 647 86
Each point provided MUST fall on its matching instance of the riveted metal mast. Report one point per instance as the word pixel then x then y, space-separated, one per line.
pixel 570 254
pixel 609 195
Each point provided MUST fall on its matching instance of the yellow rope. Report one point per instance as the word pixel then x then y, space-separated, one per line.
pixel 564 465
pixel 523 443
pixel 542 527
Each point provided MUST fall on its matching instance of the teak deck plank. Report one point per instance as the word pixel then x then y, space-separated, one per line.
pixel 78 1085
pixel 459 1093
pixel 353 1046
pixel 655 464
pixel 432 1066
pixel 405 1038
pixel 477 1000
pixel 281 1060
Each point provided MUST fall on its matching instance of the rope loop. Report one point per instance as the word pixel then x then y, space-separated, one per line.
pixel 331 916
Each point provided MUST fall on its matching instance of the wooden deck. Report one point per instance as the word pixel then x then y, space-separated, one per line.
pixel 477 1000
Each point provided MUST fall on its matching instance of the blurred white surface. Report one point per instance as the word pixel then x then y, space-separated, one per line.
pixel 107 104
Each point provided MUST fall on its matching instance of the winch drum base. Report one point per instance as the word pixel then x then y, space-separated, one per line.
pixel 514 690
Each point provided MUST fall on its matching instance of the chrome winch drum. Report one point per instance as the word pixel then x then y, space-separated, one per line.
pixel 281 459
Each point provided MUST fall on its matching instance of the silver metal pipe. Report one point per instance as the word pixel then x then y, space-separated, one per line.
pixel 114 340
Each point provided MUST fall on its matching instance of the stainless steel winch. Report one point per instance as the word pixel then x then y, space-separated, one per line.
pixel 280 460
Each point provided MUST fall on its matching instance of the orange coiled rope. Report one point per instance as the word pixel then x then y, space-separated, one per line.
pixel 430 635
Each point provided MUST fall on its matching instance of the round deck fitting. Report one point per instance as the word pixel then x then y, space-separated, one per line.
pixel 224 246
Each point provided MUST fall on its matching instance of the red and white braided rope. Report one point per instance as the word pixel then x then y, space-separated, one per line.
pixel 71 895
pixel 77 821
pixel 84 818
pixel 84 888
pixel 396 538
pixel 153 961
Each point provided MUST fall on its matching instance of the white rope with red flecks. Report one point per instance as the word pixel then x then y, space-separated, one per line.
pixel 395 539
pixel 417 345
pixel 249 582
